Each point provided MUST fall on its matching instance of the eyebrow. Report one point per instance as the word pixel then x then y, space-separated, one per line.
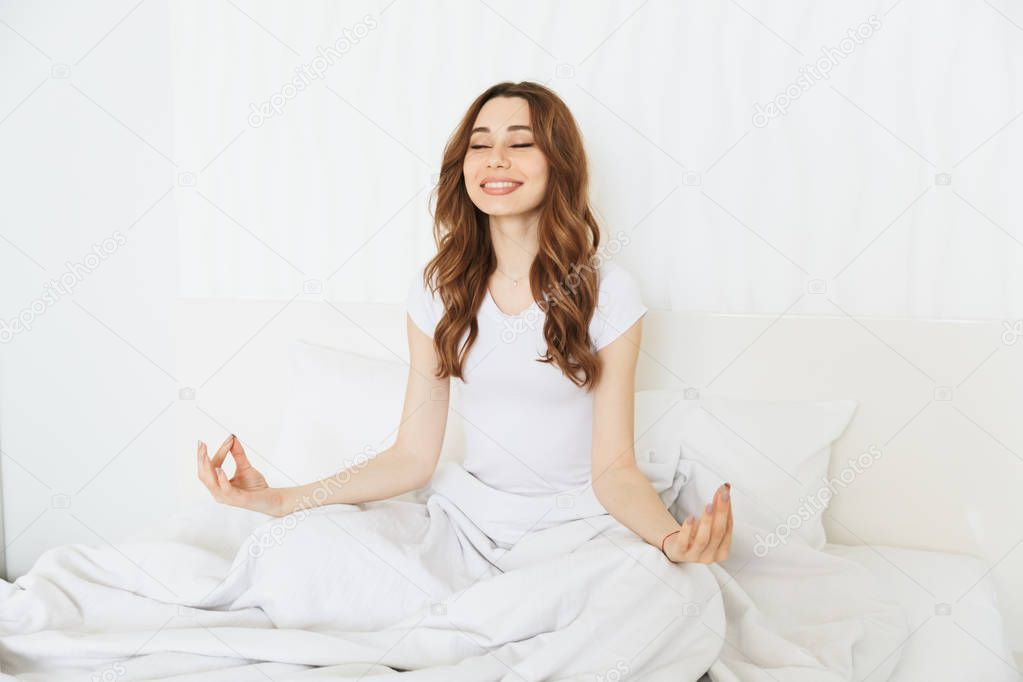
pixel 484 129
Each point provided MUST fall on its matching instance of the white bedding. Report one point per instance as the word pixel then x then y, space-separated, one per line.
pixel 452 589
pixel 956 627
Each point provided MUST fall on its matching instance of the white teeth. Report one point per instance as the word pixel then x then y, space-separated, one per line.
pixel 500 185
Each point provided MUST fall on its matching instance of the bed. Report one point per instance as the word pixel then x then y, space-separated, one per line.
pixel 872 360
pixel 941 647
pixel 950 639
pixel 949 572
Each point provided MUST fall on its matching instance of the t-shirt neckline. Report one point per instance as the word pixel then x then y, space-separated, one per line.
pixel 493 305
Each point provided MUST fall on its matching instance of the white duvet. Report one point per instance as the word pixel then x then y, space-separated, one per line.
pixel 473 585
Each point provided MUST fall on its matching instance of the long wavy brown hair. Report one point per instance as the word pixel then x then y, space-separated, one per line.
pixel 568 235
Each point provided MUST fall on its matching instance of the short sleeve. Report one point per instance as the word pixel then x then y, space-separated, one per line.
pixel 619 305
pixel 424 307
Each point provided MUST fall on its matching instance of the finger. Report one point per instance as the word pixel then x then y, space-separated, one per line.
pixel 720 517
pixel 702 535
pixel 206 473
pixel 728 499
pixel 725 545
pixel 222 483
pixel 684 538
pixel 221 453
pixel 201 461
pixel 228 493
pixel 241 460
pixel 690 531
pixel 716 530
pixel 210 475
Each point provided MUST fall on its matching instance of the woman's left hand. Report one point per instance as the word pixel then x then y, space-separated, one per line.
pixel 708 540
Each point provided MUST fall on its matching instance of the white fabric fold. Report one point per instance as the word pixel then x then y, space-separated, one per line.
pixel 474 584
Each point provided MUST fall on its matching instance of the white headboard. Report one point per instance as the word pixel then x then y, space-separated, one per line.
pixel 941 400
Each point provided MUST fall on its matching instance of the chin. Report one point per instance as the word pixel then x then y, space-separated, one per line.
pixel 502 211
pixel 494 206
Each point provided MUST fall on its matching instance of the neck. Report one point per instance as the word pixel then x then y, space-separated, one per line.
pixel 515 243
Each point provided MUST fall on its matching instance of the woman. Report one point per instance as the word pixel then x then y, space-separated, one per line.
pixel 544 341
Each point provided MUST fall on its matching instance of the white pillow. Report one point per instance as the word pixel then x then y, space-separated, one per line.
pixel 774 453
pixel 342 409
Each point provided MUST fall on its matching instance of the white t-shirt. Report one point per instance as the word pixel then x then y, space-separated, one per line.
pixel 528 428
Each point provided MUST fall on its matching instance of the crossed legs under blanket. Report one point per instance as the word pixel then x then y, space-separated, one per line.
pixel 475 584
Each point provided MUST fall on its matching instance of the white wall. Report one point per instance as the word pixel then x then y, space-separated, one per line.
pixel 88 394
pixel 725 211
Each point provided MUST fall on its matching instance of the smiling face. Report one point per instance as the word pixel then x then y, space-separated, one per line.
pixel 505 172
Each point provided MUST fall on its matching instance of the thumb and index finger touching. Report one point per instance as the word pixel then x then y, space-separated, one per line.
pixel 231 445
pixel 221 453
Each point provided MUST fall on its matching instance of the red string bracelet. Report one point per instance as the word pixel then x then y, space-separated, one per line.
pixel 668 536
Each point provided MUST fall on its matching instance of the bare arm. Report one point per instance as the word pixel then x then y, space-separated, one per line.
pixel 410 462
pixel 405 466
pixel 623 490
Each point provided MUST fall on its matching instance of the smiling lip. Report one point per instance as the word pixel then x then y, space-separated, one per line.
pixel 499 185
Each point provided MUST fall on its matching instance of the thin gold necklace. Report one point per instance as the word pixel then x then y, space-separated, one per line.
pixel 515 281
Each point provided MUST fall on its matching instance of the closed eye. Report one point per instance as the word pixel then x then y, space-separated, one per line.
pixel 481 146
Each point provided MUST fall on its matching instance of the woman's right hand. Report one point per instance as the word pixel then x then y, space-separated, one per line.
pixel 247 488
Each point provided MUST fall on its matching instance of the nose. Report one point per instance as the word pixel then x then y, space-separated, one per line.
pixel 497 158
